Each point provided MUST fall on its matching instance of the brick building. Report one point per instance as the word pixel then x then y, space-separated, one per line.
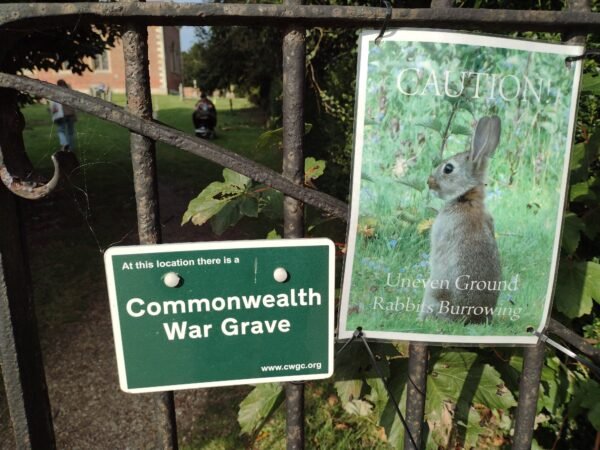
pixel 166 69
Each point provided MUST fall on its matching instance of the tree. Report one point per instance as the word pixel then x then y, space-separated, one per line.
pixel 44 47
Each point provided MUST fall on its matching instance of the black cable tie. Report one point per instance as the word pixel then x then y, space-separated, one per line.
pixel 387 388
pixel 356 334
pixel 388 16
pixel 590 365
pixel 585 54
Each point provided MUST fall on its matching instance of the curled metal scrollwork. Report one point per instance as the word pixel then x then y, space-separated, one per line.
pixel 28 189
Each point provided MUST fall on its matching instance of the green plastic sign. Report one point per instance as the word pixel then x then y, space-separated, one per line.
pixel 221 313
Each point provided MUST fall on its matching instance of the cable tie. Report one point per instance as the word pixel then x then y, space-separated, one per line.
pixel 386 20
pixel 544 338
pixel 585 54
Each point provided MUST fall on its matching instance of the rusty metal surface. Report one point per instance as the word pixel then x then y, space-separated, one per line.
pixel 533 357
pixel 416 393
pixel 533 362
pixel 143 158
pixel 30 190
pixel 20 353
pixel 574 339
pixel 163 133
pixel 165 13
pixel 294 55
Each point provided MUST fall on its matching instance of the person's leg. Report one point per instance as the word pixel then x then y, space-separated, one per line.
pixel 61 131
pixel 71 133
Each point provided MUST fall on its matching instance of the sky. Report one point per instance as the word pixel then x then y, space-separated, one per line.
pixel 187 33
pixel 188 37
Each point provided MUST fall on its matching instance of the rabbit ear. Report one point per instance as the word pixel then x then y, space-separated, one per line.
pixel 486 138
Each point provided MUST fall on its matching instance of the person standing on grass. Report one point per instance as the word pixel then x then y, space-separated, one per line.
pixel 64 117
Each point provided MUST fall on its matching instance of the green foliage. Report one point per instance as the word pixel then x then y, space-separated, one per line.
pixel 258 406
pixel 53 47
pixel 225 203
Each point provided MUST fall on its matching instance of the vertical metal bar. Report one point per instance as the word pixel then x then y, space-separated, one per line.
pixel 416 393
pixel 533 361
pixel 294 48
pixel 143 157
pixel 20 353
pixel 533 357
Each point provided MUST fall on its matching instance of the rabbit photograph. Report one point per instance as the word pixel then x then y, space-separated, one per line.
pixel 460 167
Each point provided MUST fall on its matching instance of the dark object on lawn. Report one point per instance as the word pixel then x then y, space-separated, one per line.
pixel 205 118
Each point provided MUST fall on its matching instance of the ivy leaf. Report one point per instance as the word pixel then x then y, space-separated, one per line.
pixel 258 406
pixel 215 196
pixel 578 283
pixel 571 232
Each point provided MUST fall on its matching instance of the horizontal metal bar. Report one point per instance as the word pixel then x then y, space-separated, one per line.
pixel 163 133
pixel 574 339
pixel 166 13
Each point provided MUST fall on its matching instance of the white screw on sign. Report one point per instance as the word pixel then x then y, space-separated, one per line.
pixel 280 275
pixel 171 279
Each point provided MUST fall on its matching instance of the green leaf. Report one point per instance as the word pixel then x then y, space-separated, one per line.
pixel 389 417
pixel 269 140
pixel 434 124
pixel 258 406
pixel 458 374
pixel 215 196
pixel 378 395
pixel 273 234
pixel 474 430
pixel 249 206
pixel 348 390
pixel 229 216
pixel 273 139
pixel 313 169
pixel 578 283
pixel 590 84
pixel 460 129
pixel 358 408
pixel 581 191
pixel 572 232
pixel 270 204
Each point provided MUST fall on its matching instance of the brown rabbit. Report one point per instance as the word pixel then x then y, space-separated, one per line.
pixel 464 259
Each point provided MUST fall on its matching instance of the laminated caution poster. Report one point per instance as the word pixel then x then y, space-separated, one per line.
pixel 462 146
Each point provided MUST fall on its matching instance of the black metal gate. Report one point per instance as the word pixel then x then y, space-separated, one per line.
pixel 19 344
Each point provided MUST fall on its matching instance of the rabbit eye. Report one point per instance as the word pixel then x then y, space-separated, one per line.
pixel 448 168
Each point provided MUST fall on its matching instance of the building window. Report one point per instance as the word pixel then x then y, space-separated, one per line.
pixel 101 62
